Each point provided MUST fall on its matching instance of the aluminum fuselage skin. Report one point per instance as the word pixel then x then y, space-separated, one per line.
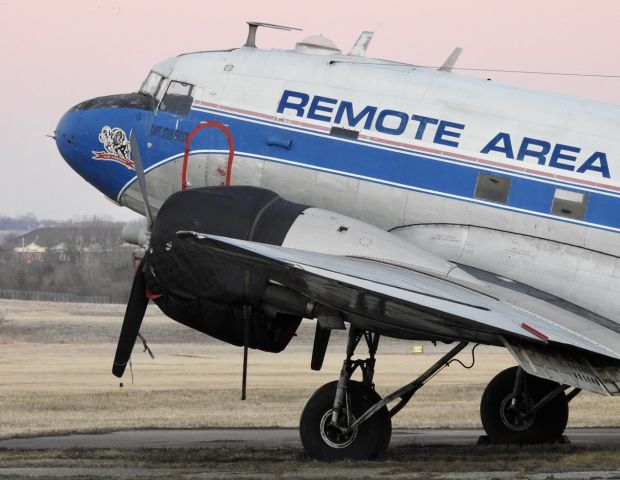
pixel 406 154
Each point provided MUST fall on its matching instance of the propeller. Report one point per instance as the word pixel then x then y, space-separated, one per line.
pixel 136 307
pixel 137 159
pixel 138 301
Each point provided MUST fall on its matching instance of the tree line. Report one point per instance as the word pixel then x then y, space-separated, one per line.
pixel 76 267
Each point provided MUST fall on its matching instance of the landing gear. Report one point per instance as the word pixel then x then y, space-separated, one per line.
pixel 348 419
pixel 325 439
pixel 328 427
pixel 519 408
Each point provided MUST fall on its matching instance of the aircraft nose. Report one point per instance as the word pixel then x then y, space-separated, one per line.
pixel 67 136
pixel 93 138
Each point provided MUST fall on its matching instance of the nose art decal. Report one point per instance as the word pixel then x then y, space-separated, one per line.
pixel 117 148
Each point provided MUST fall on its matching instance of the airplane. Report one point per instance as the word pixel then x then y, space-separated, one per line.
pixel 383 197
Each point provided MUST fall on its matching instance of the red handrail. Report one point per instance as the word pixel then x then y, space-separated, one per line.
pixel 231 149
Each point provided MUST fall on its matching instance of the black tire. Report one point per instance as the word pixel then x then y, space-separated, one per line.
pixel 503 426
pixel 369 440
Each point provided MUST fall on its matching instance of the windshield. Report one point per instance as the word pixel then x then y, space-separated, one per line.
pixel 151 84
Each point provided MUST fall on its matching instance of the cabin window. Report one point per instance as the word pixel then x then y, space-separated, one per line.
pixel 151 84
pixel 492 188
pixel 567 203
pixel 178 98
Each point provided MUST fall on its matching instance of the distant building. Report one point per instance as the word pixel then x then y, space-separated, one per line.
pixel 66 244
pixel 31 252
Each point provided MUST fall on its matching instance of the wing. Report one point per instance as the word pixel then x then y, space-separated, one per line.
pixel 544 333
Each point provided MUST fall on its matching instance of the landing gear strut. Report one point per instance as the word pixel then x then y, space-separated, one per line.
pixel 517 407
pixel 327 418
pixel 347 419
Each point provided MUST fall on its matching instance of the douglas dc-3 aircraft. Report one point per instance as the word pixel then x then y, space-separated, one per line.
pixel 403 201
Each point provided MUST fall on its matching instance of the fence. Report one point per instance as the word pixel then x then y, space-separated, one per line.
pixel 52 297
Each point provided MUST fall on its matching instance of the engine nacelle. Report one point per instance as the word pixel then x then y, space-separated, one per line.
pixel 197 287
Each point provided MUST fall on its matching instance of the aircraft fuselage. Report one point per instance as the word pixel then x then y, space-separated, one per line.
pixel 393 145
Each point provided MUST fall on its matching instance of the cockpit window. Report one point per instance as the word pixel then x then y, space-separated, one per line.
pixel 151 84
pixel 178 99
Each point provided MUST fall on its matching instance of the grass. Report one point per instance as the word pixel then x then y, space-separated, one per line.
pixel 438 462
pixel 55 377
pixel 55 364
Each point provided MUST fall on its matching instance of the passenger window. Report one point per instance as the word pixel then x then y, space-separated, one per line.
pixel 569 204
pixel 492 188
pixel 178 98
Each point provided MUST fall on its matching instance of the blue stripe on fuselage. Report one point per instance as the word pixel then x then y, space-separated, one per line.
pixel 412 149
pixel 405 169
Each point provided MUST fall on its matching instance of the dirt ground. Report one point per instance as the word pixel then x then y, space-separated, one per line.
pixel 55 377
pixel 450 463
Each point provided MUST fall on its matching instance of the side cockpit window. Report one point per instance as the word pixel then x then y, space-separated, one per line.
pixel 178 98
pixel 152 84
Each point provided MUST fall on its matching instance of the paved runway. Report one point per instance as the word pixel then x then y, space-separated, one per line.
pixel 269 438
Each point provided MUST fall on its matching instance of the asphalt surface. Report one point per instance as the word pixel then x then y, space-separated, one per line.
pixel 268 438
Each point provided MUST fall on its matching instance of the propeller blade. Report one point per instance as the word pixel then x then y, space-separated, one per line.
pixel 136 307
pixel 137 159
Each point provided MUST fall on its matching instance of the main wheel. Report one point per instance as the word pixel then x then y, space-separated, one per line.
pixel 500 411
pixel 324 441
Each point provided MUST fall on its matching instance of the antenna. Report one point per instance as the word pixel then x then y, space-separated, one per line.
pixel 251 40
pixel 359 49
pixel 449 63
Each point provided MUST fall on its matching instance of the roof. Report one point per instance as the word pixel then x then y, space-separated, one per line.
pixel 30 248
pixel 53 236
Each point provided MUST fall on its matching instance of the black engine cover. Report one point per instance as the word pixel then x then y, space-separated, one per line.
pixel 199 289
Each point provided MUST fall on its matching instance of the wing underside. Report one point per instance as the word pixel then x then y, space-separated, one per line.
pixel 548 336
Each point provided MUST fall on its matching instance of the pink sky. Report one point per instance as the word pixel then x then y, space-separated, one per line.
pixel 56 54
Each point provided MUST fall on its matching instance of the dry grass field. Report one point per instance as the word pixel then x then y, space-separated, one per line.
pixel 55 376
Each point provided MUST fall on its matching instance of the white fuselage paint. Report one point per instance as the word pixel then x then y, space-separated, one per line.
pixel 247 85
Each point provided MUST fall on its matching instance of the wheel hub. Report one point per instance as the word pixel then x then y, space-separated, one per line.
pixel 334 436
pixel 511 413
